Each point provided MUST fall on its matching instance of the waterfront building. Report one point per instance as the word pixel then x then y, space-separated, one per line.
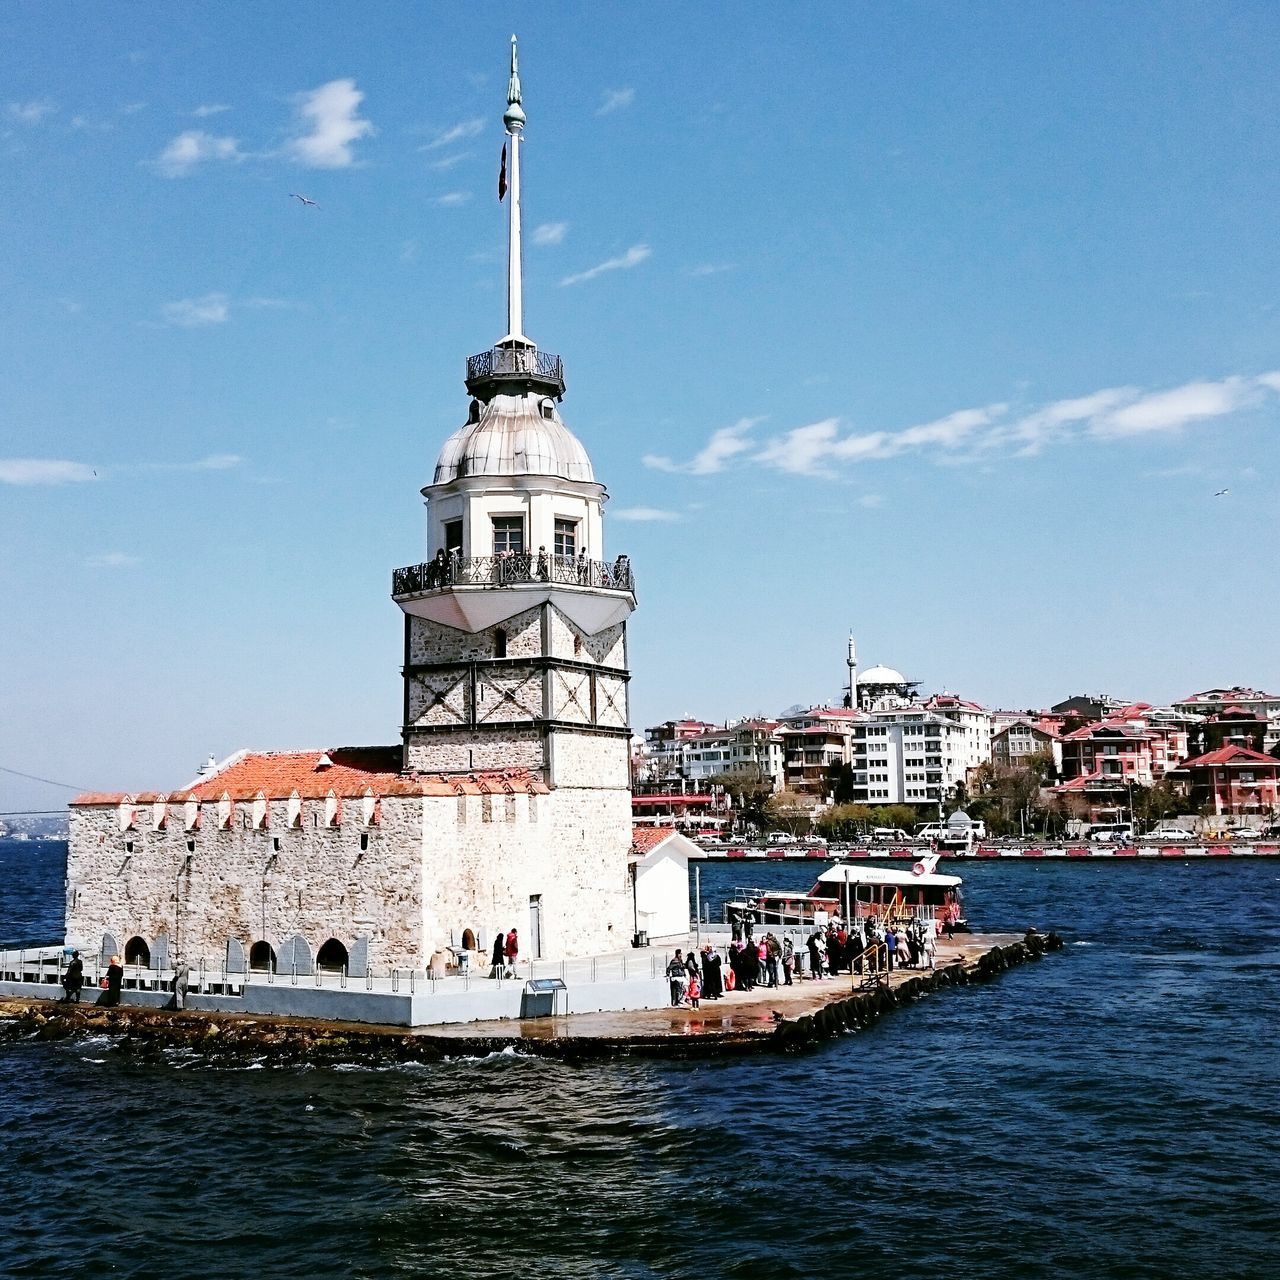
pixel 1217 702
pixel 1231 781
pixel 663 757
pixel 1014 742
pixel 507 802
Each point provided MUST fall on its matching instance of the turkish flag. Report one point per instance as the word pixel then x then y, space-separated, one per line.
pixel 502 175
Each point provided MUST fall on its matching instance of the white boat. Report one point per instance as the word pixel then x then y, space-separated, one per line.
pixel 851 891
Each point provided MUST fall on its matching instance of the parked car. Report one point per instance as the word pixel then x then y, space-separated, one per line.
pixel 1111 835
pixel 889 835
pixel 1171 835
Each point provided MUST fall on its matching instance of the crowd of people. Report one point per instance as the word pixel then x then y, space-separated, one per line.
pixel 866 945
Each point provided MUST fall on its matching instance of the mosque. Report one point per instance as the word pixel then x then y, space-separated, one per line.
pixel 507 802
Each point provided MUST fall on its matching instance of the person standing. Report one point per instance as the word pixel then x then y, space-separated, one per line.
pixel 712 980
pixel 694 990
pixel 788 959
pixel 676 975
pixel 73 979
pixel 815 956
pixel 499 955
pixel 891 946
pixel 181 981
pixel 512 952
pixel 929 944
pixel 114 980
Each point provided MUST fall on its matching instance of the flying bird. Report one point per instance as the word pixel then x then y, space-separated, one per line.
pixel 1221 493
pixel 304 199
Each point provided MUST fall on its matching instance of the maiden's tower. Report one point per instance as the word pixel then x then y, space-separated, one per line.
pixel 507 802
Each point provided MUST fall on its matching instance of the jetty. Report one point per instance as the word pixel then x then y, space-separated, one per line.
pixel 765 1020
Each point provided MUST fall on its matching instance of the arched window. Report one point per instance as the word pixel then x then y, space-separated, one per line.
pixel 468 940
pixel 136 951
pixel 333 957
pixel 262 957
pixel 499 643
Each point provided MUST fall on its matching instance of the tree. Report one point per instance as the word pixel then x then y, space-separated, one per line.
pixel 894 815
pixel 843 821
pixel 788 812
pixel 748 789
pixel 840 783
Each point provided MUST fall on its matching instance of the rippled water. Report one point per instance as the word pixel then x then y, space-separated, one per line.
pixel 1108 1112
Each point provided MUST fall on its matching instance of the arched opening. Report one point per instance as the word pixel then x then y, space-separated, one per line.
pixel 262 957
pixel 468 940
pixel 136 951
pixel 499 643
pixel 333 957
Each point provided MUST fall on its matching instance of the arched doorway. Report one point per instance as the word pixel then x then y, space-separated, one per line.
pixel 468 940
pixel 332 957
pixel 262 957
pixel 136 951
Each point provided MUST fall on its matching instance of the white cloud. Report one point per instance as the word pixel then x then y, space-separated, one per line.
pixel 45 471
pixel 822 448
pixel 644 515
pixel 447 137
pixel 192 313
pixel 615 100
pixel 111 560
pixel 871 501
pixel 445 163
pixel 726 443
pixel 215 462
pixel 210 109
pixel 632 258
pixel 330 117
pixel 712 268
pixel 32 112
pixel 451 199
pixel 550 233
pixel 1170 410
pixel 273 304
pixel 192 148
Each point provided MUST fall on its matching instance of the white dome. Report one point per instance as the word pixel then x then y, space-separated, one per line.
pixel 514 437
pixel 881 675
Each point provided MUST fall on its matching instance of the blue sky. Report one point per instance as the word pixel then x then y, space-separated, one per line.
pixel 940 322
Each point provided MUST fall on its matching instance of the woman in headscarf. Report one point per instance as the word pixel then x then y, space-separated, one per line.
pixel 115 980
pixel 712 983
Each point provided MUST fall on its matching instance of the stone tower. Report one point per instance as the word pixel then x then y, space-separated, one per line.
pixel 515 649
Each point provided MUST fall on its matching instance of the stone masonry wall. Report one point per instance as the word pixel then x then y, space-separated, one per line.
pixel 237 885
pixel 468 749
pixel 434 642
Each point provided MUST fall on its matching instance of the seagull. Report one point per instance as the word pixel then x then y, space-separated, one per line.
pixel 304 199
pixel 1221 493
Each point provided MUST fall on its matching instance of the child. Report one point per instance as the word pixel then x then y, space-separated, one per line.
pixel 693 992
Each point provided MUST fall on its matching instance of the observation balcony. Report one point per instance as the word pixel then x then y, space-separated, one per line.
pixel 510 570
pixel 508 369
pixel 473 592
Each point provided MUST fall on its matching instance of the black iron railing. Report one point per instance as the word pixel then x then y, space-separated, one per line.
pixel 516 363
pixel 510 569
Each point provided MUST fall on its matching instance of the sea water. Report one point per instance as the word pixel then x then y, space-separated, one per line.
pixel 1110 1111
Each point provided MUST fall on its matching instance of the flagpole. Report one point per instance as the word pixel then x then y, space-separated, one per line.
pixel 514 121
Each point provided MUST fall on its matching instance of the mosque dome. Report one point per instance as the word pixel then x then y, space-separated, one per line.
pixel 881 675
pixel 514 435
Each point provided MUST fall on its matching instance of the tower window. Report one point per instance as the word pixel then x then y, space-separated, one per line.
pixel 548 408
pixel 473 411
pixel 566 538
pixel 453 537
pixel 499 643
pixel 508 535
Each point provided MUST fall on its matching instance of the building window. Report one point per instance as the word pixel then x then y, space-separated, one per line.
pixel 567 538
pixel 508 535
pixel 499 643
pixel 453 536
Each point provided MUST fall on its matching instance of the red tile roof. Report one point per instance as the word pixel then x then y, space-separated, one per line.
pixel 1229 756
pixel 645 840
pixel 351 772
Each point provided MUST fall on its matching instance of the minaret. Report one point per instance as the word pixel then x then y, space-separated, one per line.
pixel 515 625
pixel 851 689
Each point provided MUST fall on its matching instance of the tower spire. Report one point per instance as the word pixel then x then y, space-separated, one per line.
pixel 513 119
